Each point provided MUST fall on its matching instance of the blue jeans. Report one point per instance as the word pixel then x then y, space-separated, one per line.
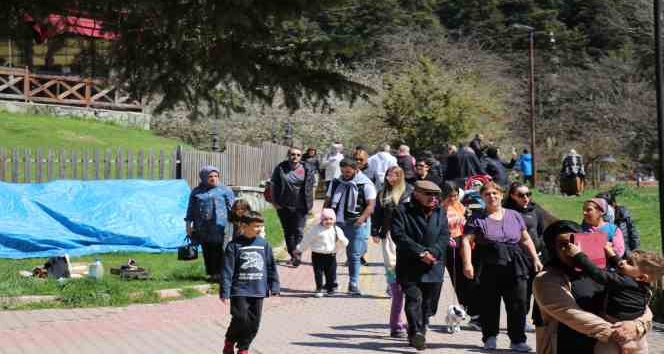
pixel 358 237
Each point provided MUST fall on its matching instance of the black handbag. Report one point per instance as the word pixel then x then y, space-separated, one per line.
pixel 188 252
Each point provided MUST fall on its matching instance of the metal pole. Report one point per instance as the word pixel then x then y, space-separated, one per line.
pixel 532 102
pixel 660 114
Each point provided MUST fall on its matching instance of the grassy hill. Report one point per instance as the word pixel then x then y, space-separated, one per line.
pixel 30 131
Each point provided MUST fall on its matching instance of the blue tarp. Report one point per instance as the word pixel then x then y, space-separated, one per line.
pixel 84 217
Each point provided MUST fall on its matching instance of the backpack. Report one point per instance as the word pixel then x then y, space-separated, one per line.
pixel 267 193
pixel 58 267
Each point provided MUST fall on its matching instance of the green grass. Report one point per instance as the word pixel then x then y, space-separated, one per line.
pixel 31 131
pixel 165 270
pixel 643 204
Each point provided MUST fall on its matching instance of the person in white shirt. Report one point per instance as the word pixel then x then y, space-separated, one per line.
pixel 323 240
pixel 331 164
pixel 379 163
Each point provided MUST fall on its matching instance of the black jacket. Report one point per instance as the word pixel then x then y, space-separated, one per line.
pixel 469 164
pixel 406 164
pixel 280 190
pixel 533 216
pixel 451 171
pixel 624 221
pixel 381 219
pixel 496 169
pixel 413 234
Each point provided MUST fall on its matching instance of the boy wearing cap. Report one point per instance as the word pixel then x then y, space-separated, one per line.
pixel 420 232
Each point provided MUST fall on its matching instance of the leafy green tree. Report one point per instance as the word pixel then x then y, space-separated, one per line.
pixel 428 106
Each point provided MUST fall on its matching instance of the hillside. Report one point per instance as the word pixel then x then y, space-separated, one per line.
pixel 29 131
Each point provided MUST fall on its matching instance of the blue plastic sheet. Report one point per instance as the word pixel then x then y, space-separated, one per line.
pixel 85 217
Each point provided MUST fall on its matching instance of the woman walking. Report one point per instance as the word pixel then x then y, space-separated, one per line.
pixel 207 216
pixel 396 192
pixel 508 257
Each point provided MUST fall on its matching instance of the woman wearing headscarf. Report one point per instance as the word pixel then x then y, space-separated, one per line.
pixel 593 221
pixel 568 303
pixel 395 192
pixel 210 204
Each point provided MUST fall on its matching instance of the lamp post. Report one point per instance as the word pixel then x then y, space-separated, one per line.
pixel 660 113
pixel 531 90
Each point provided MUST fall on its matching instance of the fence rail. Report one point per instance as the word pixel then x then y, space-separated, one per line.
pixel 21 84
pixel 239 164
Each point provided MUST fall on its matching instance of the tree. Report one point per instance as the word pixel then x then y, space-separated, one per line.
pixel 428 106
pixel 195 51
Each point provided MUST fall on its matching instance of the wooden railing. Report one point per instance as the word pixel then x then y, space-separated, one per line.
pixel 21 84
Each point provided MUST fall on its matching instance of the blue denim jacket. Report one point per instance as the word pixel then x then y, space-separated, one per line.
pixel 208 209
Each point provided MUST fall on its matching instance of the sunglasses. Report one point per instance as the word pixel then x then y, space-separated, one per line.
pixel 523 195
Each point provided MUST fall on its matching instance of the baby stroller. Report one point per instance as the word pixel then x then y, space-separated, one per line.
pixel 472 199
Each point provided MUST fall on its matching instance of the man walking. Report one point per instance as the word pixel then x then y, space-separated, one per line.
pixel 379 163
pixel 293 197
pixel 353 197
pixel 421 234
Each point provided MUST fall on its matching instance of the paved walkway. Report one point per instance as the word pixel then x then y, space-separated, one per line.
pixel 293 323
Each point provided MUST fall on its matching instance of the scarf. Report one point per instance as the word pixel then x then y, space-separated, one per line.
pixel 349 190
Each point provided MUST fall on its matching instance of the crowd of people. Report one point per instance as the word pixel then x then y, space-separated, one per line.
pixel 503 246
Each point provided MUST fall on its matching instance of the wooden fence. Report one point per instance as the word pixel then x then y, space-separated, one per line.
pixel 239 164
pixel 21 84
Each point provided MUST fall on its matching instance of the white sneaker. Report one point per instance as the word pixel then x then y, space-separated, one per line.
pixel 319 293
pixel 529 327
pixel 521 348
pixel 491 343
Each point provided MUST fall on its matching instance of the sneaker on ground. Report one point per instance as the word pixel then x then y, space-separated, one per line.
pixel 521 347
pixel 331 292
pixel 398 333
pixel 229 348
pixel 363 261
pixel 529 327
pixel 418 341
pixel 491 343
pixel 243 351
pixel 296 262
pixel 319 293
pixel 354 290
pixel 474 324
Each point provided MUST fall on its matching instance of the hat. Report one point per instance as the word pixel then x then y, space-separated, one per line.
pixel 328 213
pixel 427 186
pixel 601 203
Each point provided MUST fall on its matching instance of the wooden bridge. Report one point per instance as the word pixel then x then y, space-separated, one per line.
pixel 23 85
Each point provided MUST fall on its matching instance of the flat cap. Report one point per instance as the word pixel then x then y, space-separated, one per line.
pixel 427 186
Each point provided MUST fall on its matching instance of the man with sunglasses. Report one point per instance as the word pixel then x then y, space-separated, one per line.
pixel 292 186
pixel 421 234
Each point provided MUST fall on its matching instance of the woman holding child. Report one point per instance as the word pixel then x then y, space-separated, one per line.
pixel 593 221
pixel 569 303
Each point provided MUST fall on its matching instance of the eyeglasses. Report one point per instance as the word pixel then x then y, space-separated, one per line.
pixel 523 195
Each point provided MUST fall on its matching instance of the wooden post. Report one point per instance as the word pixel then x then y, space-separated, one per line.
pixel 14 165
pixel 62 167
pixel 88 90
pixel 141 165
pixel 49 165
pixel 177 162
pixel 26 84
pixel 74 165
pixel 27 178
pixel 150 164
pixel 84 174
pixel 162 164
pixel 130 165
pixel 39 160
pixel 107 164
pixel 3 159
pixel 118 164
pixel 97 161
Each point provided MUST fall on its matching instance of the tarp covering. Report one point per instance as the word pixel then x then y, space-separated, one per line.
pixel 84 217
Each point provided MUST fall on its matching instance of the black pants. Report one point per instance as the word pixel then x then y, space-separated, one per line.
pixel 213 256
pixel 498 282
pixel 245 320
pixel 464 288
pixel 292 222
pixel 420 298
pixel 325 265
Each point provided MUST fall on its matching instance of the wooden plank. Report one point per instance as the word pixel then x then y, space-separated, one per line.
pixel 130 165
pixel 74 165
pixel 85 166
pixel 107 163
pixel 14 168
pixel 151 164
pixel 3 160
pixel 97 162
pixel 49 165
pixel 71 90
pixel 162 164
pixel 39 162
pixel 141 165
pixel 62 165
pixel 27 160
pixel 118 164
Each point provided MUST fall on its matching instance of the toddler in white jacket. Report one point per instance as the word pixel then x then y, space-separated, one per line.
pixel 323 239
